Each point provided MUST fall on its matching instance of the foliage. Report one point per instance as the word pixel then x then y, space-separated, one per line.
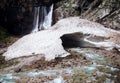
pixel 4 36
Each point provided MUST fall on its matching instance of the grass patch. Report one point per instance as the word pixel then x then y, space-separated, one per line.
pixel 4 36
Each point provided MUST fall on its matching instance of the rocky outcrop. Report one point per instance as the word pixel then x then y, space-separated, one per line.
pixel 18 16
pixel 106 12
pixel 66 8
pixel 48 43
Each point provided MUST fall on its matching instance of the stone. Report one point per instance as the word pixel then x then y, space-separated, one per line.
pixel 66 8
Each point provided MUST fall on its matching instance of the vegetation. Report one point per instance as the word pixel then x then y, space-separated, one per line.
pixel 5 38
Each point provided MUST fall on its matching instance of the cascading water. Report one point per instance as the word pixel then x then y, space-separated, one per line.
pixel 42 18
pixel 48 18
pixel 36 19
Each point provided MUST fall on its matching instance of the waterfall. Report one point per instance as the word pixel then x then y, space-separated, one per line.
pixel 42 18
pixel 36 19
pixel 48 18
pixel 43 14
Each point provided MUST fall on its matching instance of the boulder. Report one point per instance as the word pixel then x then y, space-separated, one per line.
pixel 49 43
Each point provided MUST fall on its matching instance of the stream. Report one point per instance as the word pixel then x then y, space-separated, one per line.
pixel 97 70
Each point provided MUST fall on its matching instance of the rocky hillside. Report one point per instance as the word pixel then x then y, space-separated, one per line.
pixel 17 16
pixel 73 50
pixel 106 12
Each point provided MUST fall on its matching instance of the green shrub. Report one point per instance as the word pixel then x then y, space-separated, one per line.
pixel 4 35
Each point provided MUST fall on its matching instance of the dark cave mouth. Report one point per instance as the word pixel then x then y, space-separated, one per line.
pixel 78 40
pixel 73 40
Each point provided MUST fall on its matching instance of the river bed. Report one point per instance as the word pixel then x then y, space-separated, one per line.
pixel 84 65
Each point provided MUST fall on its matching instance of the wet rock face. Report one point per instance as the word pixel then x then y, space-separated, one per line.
pixel 48 2
pixel 17 16
pixel 104 12
pixel 66 8
pixel 19 20
pixel 83 5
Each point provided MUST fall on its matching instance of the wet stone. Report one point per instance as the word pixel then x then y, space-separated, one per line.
pixel 84 65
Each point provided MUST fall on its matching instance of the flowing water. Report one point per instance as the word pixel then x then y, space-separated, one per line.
pixel 36 19
pixel 98 70
pixel 42 18
pixel 48 19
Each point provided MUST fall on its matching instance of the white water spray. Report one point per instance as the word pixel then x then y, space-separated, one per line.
pixel 48 19
pixel 42 18
pixel 36 19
